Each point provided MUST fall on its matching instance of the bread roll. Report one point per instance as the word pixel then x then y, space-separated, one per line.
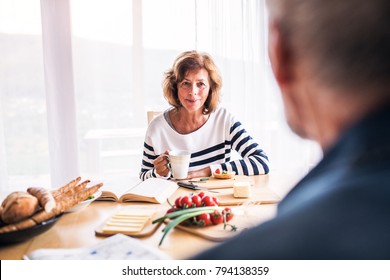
pixel 18 206
pixel 9 198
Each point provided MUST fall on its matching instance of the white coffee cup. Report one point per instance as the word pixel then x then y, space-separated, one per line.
pixel 179 162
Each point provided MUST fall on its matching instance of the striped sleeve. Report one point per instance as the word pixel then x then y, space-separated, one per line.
pixel 147 167
pixel 254 161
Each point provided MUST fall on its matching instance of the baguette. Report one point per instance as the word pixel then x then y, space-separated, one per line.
pixel 66 204
pixel 45 198
pixel 61 206
pixel 69 202
pixel 42 216
pixel 65 188
pixel 75 189
pixel 27 223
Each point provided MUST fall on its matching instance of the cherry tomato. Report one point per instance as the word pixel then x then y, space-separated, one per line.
pixel 170 210
pixel 177 202
pixel 216 200
pixel 217 171
pixel 216 217
pixel 196 201
pixel 186 202
pixel 228 213
pixel 208 201
pixel 201 194
pixel 203 219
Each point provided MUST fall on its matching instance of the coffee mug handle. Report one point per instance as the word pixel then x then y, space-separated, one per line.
pixel 169 163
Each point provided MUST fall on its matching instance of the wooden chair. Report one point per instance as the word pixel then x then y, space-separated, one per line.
pixel 152 114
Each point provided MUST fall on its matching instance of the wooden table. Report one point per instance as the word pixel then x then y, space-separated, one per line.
pixel 77 229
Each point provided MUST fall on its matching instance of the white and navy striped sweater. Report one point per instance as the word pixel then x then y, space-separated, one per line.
pixel 211 145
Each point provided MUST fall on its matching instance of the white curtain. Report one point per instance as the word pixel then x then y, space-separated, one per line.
pixel 100 69
pixel 24 153
pixel 60 100
pixel 3 156
pixel 235 33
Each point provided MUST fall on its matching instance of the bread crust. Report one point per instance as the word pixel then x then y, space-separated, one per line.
pixel 18 206
pixel 66 198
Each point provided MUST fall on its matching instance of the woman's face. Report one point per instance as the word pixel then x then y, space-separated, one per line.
pixel 194 90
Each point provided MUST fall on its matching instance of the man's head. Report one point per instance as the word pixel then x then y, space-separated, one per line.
pixel 340 46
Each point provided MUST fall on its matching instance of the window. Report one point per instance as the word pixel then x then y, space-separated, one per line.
pixel 23 125
pixel 116 54
pixel 103 74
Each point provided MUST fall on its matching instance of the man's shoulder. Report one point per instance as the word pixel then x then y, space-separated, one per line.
pixel 346 174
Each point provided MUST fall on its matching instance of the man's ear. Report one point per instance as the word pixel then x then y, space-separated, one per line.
pixel 279 54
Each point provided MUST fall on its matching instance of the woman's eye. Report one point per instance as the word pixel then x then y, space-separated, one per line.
pixel 185 84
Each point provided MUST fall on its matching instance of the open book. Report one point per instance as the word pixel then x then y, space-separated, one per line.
pixel 153 190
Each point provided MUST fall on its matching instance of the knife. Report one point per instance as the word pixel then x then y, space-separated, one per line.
pixel 192 186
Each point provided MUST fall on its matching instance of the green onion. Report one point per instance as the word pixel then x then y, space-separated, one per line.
pixel 183 217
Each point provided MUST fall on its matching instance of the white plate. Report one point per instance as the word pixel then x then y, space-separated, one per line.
pixel 85 203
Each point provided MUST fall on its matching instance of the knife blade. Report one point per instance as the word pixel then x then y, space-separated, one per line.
pixel 192 186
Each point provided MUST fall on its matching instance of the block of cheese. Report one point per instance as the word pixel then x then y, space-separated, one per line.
pixel 241 189
pixel 127 222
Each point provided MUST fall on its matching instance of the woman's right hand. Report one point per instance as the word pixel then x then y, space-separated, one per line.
pixel 161 164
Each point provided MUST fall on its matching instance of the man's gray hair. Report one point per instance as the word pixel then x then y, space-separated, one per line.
pixel 346 42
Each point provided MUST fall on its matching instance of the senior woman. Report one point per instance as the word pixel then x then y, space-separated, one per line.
pixel 197 124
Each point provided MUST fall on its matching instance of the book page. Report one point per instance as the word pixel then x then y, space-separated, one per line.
pixel 118 185
pixel 118 190
pixel 116 247
pixel 159 189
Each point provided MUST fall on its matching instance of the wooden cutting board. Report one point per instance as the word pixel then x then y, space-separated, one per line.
pixel 223 190
pixel 244 218
pixel 127 219
pixel 260 195
pixel 213 183
pixel 148 230
pixel 213 233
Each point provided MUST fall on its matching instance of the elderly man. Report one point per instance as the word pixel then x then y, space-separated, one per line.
pixel 331 60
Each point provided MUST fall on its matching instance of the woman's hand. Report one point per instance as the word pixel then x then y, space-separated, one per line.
pixel 205 172
pixel 161 164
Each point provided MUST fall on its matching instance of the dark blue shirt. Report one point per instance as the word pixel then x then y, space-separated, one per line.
pixel 340 210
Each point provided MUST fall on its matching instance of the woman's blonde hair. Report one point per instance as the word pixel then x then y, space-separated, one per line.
pixel 184 63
